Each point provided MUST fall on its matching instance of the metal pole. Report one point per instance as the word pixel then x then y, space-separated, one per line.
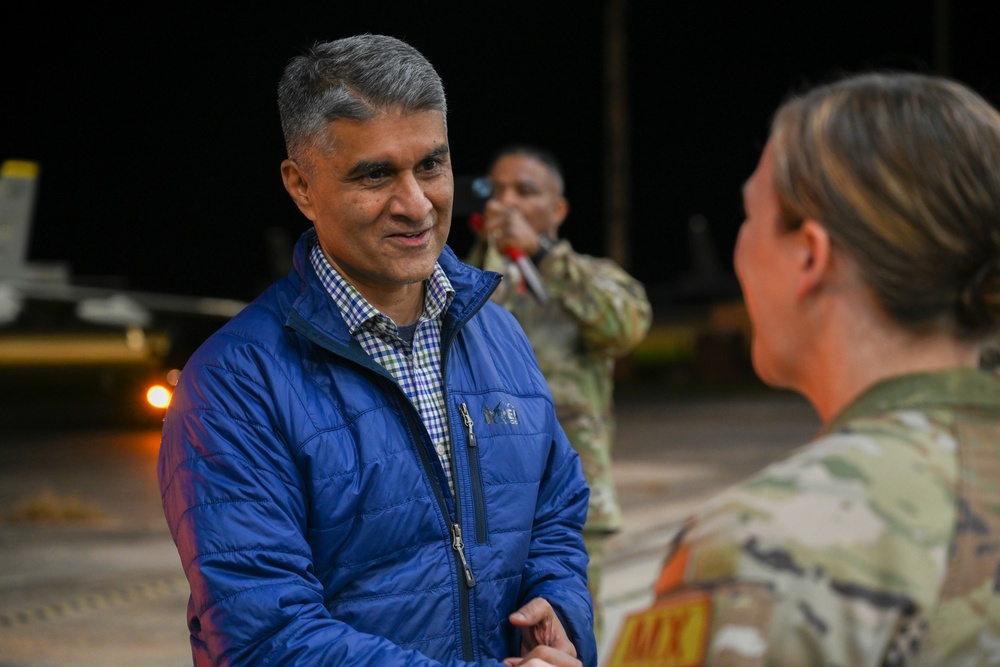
pixel 942 37
pixel 617 223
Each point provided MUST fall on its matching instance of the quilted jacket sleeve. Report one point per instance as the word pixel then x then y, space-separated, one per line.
pixel 557 563
pixel 557 567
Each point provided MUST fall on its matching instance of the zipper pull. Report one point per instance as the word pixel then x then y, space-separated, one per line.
pixel 467 420
pixel 459 546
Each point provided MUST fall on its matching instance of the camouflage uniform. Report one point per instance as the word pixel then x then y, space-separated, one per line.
pixel 876 544
pixel 595 314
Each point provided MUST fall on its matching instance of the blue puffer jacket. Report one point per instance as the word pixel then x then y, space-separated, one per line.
pixel 312 516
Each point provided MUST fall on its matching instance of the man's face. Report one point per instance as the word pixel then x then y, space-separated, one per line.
pixel 764 260
pixel 381 201
pixel 527 185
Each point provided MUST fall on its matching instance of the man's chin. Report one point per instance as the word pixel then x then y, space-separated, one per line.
pixel 419 266
pixel 409 275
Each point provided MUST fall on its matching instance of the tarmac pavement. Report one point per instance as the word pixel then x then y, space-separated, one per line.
pixel 106 588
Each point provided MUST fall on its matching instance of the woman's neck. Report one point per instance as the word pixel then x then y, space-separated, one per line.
pixel 869 348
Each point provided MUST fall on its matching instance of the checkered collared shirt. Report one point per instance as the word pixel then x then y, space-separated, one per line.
pixel 416 366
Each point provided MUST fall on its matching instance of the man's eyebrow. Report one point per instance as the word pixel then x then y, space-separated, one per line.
pixel 440 151
pixel 365 166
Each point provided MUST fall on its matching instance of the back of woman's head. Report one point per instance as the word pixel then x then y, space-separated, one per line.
pixel 903 170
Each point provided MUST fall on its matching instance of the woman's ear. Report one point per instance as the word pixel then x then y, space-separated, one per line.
pixel 814 261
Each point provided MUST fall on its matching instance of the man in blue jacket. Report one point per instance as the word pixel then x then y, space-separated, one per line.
pixel 365 466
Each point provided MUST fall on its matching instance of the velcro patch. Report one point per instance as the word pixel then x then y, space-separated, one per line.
pixel 674 633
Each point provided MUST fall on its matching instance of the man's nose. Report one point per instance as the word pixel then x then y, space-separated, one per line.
pixel 505 195
pixel 410 199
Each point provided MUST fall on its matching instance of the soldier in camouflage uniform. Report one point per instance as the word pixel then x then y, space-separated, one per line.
pixel 593 313
pixel 870 264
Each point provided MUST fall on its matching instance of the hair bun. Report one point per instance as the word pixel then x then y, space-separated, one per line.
pixel 979 305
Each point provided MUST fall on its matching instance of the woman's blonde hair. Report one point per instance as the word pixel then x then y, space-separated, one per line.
pixel 903 170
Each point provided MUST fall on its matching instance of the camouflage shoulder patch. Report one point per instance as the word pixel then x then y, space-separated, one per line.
pixel 673 633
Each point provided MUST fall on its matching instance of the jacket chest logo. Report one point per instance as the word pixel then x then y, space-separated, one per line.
pixel 503 413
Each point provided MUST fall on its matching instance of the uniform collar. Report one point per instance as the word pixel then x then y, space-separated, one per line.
pixel 969 387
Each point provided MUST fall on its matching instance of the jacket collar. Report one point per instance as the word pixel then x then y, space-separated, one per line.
pixel 315 315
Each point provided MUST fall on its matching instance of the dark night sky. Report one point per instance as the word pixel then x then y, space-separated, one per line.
pixel 159 141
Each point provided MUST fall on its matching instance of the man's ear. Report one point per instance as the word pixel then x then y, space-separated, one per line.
pixel 561 210
pixel 815 257
pixel 297 185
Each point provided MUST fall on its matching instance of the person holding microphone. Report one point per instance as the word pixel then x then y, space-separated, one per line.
pixel 581 314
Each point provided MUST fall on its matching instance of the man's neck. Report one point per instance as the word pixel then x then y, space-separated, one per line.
pixel 402 305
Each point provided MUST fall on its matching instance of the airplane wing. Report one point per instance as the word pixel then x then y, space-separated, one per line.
pixel 18 187
pixel 49 321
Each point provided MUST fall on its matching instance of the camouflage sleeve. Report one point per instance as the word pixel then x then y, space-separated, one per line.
pixel 825 558
pixel 610 306
pixel 486 256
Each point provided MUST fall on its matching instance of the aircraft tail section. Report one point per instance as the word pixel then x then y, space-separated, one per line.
pixel 18 186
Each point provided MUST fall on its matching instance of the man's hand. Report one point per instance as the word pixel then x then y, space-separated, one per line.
pixel 542 637
pixel 544 656
pixel 509 229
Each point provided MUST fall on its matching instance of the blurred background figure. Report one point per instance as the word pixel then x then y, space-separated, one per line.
pixel 869 259
pixel 580 313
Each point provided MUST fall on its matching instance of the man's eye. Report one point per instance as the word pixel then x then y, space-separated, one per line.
pixel 376 175
pixel 430 164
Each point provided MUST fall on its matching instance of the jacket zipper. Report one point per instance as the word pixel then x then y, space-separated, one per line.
pixel 466 580
pixel 466 577
pixel 478 504
pixel 459 546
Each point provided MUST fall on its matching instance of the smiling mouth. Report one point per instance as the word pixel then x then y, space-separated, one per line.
pixel 412 235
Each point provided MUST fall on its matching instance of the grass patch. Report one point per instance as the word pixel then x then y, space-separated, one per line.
pixel 49 507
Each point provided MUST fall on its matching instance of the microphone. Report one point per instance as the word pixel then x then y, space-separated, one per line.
pixel 531 276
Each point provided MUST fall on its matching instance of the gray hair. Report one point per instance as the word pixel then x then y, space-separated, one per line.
pixel 354 78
